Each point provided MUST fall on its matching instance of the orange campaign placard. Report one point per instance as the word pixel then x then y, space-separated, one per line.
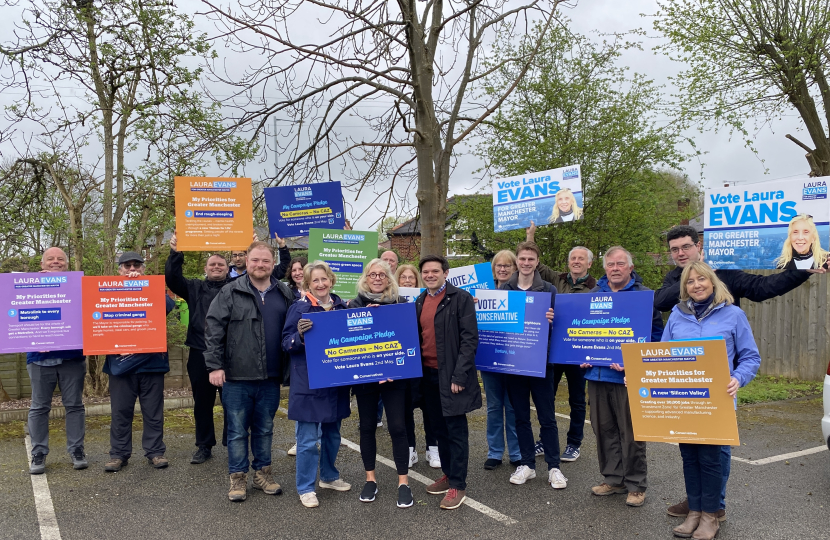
pixel 677 392
pixel 213 213
pixel 124 315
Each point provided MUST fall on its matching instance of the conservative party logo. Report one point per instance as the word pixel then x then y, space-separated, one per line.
pixel 500 311
pixel 814 189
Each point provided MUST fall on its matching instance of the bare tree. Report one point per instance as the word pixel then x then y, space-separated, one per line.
pixel 410 71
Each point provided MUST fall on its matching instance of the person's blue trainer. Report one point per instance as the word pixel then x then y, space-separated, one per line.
pixel 571 453
pixel 539 449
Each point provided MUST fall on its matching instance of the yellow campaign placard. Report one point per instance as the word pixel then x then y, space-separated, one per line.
pixel 600 332
pixel 677 392
pixel 213 213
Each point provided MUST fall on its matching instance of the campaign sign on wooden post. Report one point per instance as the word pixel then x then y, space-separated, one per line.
pixel 213 213
pixel 124 315
pixel 677 392
pixel 43 311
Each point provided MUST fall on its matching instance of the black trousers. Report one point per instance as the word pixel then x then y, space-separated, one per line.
pixel 451 432
pixel 394 401
pixel 520 388
pixel 429 433
pixel 204 398
pixel 149 389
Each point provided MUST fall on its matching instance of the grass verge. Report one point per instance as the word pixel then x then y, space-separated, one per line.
pixel 769 388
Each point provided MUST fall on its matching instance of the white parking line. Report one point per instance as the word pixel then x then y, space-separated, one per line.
pixel 782 457
pixel 46 518
pixel 418 477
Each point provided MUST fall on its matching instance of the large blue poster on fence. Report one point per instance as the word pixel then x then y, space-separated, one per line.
pixel 474 276
pixel 293 210
pixel 589 328
pixel 749 226
pixel 504 350
pixel 547 197
pixel 354 346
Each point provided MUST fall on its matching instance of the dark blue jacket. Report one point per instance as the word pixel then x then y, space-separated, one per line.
pixel 154 362
pixel 304 404
pixel 71 354
pixel 606 374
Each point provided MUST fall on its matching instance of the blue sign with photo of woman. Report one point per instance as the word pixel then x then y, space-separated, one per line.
pixel 524 353
pixel 589 328
pixel 354 346
pixel 546 197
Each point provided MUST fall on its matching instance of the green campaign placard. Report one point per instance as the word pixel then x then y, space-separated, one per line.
pixel 346 252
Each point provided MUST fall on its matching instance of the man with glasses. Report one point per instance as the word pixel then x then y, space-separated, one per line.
pixel 685 247
pixel 47 370
pixel 144 381
pixel 622 460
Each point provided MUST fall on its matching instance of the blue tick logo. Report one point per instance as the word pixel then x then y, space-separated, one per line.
pixel 400 360
pixel 410 352
pixel 641 340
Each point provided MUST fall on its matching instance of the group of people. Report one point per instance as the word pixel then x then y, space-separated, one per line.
pixel 247 337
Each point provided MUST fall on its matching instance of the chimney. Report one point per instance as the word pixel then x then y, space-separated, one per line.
pixel 683 206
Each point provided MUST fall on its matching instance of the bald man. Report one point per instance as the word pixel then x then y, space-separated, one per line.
pixel 392 259
pixel 50 369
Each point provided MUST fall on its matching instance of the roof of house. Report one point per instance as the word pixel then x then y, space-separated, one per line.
pixel 412 227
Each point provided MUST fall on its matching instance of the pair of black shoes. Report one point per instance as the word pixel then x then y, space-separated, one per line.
pixel 405 499
pixel 201 455
pixel 493 463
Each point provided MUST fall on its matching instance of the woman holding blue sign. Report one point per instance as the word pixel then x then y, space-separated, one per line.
pixel 705 310
pixel 802 249
pixel 376 288
pixel 314 409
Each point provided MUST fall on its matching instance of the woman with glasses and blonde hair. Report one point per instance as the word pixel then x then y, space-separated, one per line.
pixel 802 249
pixel 565 207
pixel 377 288
pixel 501 420
pixel 707 310
pixel 408 276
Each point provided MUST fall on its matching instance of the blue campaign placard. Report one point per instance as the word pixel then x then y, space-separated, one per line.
pixel 293 210
pixel 410 293
pixel 546 197
pixel 746 227
pixel 354 346
pixel 501 311
pixel 474 276
pixel 523 353
pixel 589 328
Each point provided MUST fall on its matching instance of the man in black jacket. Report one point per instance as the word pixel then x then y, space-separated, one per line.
pixel 198 293
pixel 244 356
pixel 685 247
pixel 449 339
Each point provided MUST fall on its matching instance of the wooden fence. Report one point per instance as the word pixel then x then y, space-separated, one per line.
pixel 16 383
pixel 792 330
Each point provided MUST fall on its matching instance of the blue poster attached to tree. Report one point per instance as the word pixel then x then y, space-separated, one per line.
pixel 474 276
pixel 589 328
pixel 524 353
pixel 354 346
pixel 293 210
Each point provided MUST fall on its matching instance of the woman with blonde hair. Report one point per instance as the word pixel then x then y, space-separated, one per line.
pixel 802 249
pixel 501 420
pixel 376 288
pixel 565 207
pixel 706 310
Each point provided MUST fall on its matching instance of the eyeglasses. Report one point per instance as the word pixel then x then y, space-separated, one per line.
pixel 620 264
pixel 685 248
pixel 238 255
pixel 504 266
pixel 131 265
pixel 375 275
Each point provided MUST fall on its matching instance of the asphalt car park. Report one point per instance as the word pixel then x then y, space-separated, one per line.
pixel 779 488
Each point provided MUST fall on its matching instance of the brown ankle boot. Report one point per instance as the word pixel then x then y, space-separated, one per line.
pixel 264 480
pixel 239 487
pixel 687 528
pixel 708 528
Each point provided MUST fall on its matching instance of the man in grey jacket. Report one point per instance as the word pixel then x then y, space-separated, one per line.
pixel 244 356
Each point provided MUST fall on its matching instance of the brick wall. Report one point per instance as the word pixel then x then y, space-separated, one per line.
pixel 407 247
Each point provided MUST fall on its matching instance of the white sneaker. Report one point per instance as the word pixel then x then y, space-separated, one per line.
pixel 523 474
pixel 556 479
pixel 309 500
pixel 293 450
pixel 433 457
pixel 336 485
pixel 413 456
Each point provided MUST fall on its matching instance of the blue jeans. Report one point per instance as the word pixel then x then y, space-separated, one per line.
pixel 501 419
pixel 297 430
pixel 250 405
pixel 309 458
pixel 725 468
pixel 703 475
